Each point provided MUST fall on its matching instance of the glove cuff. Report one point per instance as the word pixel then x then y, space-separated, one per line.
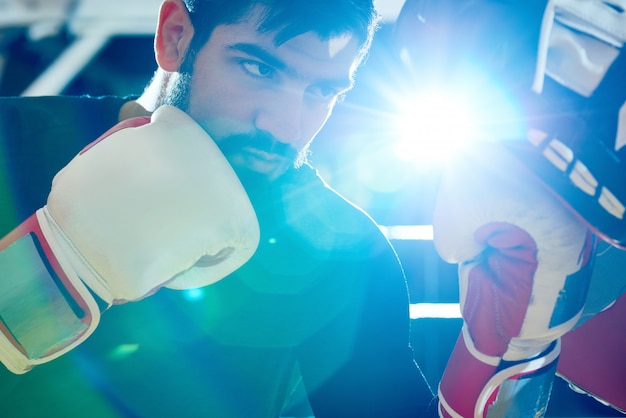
pixel 493 387
pixel 45 309
pixel 72 260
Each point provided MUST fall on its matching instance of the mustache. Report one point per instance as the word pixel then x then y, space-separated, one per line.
pixel 258 140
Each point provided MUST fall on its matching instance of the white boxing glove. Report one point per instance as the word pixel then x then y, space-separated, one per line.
pixel 151 203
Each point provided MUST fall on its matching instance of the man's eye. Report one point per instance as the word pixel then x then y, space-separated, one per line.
pixel 257 69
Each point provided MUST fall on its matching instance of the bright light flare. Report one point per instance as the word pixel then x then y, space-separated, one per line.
pixel 434 125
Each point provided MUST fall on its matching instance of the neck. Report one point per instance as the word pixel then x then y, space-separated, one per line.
pixel 155 92
pixel 151 98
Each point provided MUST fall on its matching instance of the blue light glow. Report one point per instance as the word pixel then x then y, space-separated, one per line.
pixel 194 294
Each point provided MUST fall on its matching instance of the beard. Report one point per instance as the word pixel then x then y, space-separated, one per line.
pixel 237 147
pixel 234 145
pixel 178 91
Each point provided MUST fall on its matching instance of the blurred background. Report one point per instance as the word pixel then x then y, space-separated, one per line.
pixel 368 151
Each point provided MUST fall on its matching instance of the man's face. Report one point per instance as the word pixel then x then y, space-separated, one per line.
pixel 263 104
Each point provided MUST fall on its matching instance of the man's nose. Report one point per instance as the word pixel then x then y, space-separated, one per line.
pixel 281 115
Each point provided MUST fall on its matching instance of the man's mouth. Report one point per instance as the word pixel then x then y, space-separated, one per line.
pixel 261 161
pixel 258 153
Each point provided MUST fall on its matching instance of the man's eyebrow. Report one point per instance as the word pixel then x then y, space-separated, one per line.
pixel 262 54
pixel 270 59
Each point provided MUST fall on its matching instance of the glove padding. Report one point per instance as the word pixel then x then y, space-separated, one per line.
pixel 151 206
pixel 517 248
pixel 147 205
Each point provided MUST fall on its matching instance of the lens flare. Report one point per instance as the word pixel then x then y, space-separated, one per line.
pixel 434 125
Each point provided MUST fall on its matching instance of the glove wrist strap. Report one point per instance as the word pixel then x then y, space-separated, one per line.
pixel 45 309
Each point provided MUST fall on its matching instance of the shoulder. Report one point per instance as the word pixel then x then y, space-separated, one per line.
pixel 40 135
pixel 315 209
pixel 55 123
pixel 44 103
pixel 63 110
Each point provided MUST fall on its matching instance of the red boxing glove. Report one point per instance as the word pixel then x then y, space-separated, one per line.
pixel 524 267
pixel 499 286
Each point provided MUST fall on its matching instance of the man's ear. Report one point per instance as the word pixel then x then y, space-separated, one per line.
pixel 173 35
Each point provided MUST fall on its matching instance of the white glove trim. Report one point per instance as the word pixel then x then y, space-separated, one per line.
pixel 62 245
pixel 446 406
pixel 469 343
pixel 519 369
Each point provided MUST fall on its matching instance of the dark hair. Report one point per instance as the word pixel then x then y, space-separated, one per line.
pixel 290 18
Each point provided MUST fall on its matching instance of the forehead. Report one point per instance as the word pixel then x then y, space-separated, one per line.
pixel 306 52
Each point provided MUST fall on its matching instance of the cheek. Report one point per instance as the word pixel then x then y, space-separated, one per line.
pixel 217 98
